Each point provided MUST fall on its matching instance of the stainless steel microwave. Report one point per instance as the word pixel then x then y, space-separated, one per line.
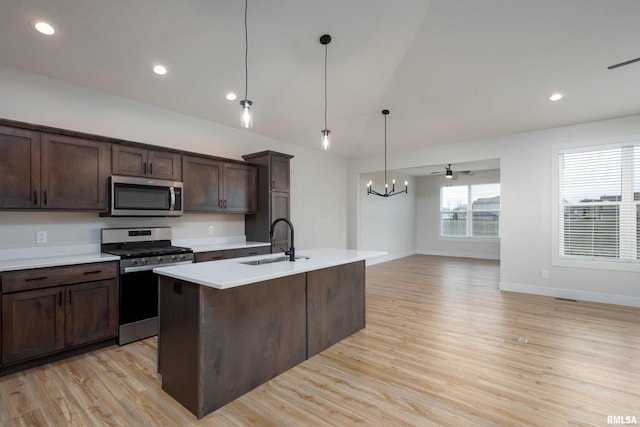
pixel 133 196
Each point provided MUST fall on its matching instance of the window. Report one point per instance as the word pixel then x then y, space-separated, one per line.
pixel 480 203
pixel 599 215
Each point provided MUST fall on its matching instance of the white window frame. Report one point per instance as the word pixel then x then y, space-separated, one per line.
pixel 557 213
pixel 469 213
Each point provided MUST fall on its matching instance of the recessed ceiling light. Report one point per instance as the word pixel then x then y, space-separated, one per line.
pixel 231 96
pixel 160 70
pixel 556 97
pixel 44 27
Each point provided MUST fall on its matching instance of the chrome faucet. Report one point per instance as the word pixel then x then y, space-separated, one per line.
pixel 292 251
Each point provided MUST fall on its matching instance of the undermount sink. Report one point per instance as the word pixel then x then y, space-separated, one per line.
pixel 270 260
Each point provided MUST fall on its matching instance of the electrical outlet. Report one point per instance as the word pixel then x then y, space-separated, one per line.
pixel 545 274
pixel 41 236
pixel 211 230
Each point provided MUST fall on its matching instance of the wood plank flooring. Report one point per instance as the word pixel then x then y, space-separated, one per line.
pixel 441 347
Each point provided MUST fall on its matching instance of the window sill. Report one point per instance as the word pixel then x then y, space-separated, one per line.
pixel 597 265
pixel 469 239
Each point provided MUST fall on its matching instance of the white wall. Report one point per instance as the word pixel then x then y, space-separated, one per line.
pixel 318 178
pixel 529 182
pixel 527 187
pixel 387 223
pixel 429 241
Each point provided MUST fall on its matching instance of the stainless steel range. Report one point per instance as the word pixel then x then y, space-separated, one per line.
pixel 140 251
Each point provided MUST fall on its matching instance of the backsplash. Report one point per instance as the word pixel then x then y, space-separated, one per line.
pixel 78 231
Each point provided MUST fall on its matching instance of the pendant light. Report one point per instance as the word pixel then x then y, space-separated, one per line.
pixel 326 141
pixel 247 119
pixel 393 191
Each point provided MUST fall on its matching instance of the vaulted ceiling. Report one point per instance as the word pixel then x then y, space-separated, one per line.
pixel 449 70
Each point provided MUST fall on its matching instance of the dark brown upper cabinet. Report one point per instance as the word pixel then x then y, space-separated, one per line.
pixel 74 173
pixel 273 199
pixel 216 186
pixel 42 170
pixel 19 168
pixel 135 161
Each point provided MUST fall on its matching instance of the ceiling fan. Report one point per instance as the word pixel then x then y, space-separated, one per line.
pixel 621 64
pixel 448 172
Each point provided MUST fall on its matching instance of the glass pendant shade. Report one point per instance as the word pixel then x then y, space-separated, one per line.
pixel 326 139
pixel 247 119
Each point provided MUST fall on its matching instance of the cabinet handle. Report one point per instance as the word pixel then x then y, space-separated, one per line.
pixel 33 279
pixel 150 168
pixel 144 168
pixel 45 197
pixel 35 197
pixel 70 302
pixel 60 298
pixel 225 203
pixel 273 183
pixel 93 272
pixel 253 253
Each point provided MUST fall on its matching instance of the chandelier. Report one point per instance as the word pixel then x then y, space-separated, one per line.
pixel 393 191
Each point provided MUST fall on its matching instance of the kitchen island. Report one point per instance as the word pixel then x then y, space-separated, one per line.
pixel 229 326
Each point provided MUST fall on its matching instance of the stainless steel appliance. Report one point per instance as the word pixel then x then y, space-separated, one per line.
pixel 134 196
pixel 140 251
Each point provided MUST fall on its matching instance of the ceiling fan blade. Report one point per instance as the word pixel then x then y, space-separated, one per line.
pixel 631 61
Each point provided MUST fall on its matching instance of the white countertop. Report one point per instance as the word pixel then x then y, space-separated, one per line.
pixel 230 273
pixel 54 261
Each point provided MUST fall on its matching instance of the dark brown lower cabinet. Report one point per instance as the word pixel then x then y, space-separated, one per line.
pixel 232 253
pixel 41 319
pixel 233 340
pixel 335 305
pixel 32 324
pixel 89 312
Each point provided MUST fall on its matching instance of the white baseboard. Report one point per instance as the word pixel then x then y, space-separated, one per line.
pixel 390 257
pixel 479 255
pixel 571 294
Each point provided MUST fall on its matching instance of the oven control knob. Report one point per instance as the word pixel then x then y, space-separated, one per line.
pixel 174 257
pixel 160 259
pixel 183 257
pixel 144 260
pixel 134 261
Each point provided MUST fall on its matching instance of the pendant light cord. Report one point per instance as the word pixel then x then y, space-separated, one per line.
pixel 385 152
pixel 246 52
pixel 326 46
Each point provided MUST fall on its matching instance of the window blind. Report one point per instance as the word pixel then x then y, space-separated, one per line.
pixel 598 214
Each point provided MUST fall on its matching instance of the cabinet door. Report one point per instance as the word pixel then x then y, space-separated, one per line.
pixel 202 179
pixel 130 161
pixel 279 173
pixel 19 168
pixel 165 165
pixel 281 240
pixel 74 173
pixel 240 183
pixel 32 324
pixel 91 310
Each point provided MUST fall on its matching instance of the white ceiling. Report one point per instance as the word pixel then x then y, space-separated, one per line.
pixel 449 70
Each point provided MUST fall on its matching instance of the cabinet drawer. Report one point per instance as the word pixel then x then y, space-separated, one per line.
pixel 37 278
pixel 260 250
pixel 231 253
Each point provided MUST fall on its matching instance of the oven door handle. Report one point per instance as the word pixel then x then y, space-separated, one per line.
pixel 173 198
pixel 150 267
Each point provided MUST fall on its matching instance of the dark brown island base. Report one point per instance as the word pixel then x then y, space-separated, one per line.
pixel 214 345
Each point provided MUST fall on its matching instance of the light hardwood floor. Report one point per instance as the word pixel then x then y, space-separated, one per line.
pixel 441 347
